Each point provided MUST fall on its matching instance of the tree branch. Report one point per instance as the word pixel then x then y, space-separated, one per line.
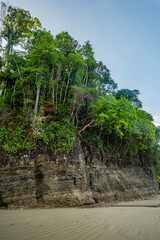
pixel 88 125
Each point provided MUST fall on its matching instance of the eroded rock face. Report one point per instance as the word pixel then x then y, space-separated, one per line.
pixel 72 181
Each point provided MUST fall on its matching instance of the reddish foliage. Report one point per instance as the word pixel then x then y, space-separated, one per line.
pixel 49 108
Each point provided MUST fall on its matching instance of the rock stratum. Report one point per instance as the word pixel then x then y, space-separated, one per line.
pixel 81 179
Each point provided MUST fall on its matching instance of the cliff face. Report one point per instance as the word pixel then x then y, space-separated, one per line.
pixel 71 181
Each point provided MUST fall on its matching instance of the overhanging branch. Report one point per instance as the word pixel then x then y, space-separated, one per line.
pixel 88 125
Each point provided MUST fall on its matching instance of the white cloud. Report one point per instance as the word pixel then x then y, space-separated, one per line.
pixel 157 120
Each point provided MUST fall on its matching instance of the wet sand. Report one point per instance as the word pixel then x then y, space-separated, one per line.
pixel 137 220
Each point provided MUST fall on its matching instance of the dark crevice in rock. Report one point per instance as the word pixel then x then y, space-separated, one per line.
pixel 95 199
pixel 74 181
pixel 90 180
pixel 3 205
pixel 39 183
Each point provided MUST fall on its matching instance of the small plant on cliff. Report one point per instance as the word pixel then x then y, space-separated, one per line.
pixel 59 135
pixel 14 137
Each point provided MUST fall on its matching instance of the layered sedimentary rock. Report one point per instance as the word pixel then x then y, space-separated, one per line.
pixel 81 178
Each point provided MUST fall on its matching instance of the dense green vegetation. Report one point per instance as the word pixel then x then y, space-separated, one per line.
pixel 53 91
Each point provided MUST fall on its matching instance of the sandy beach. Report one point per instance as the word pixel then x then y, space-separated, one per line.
pixel 137 220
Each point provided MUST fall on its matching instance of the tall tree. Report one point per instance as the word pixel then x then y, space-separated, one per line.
pixel 41 64
pixel 16 26
pixel 66 44
pixel 106 83
pixel 131 95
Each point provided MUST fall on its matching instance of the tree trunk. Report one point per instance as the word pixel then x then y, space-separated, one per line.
pixel 85 80
pixel 37 97
pixel 24 98
pixel 12 96
pixel 53 94
pixel 61 91
pixel 58 77
pixel 50 84
pixel 65 96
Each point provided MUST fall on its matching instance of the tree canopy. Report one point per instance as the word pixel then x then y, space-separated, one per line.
pixel 39 71
pixel 131 95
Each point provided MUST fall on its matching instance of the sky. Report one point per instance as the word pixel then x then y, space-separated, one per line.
pixel 124 34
